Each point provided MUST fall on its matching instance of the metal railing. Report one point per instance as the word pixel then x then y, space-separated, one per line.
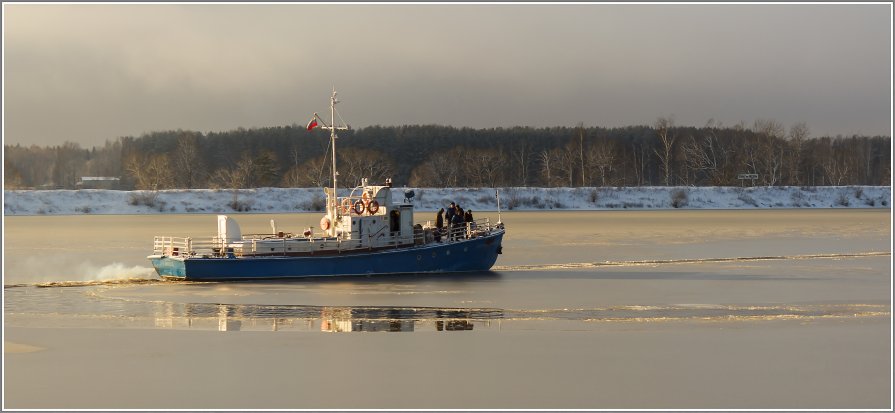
pixel 249 244
pixel 465 230
pixel 172 246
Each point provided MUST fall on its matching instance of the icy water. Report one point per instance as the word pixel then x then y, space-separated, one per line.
pixel 603 309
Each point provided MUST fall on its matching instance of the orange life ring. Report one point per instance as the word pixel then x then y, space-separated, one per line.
pixel 366 197
pixel 324 223
pixel 359 207
pixel 373 207
pixel 346 205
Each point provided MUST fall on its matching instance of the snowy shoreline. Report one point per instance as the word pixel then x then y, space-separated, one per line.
pixel 286 200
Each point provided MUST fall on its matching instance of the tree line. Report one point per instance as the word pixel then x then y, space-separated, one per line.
pixel 444 156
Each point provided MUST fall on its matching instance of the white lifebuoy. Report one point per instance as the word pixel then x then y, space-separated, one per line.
pixel 359 207
pixel 346 205
pixel 324 223
pixel 373 207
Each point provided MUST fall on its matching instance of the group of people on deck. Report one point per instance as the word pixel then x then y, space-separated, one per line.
pixel 451 220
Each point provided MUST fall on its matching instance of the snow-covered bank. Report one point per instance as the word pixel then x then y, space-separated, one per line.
pixel 280 200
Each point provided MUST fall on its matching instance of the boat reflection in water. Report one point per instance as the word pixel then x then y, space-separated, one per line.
pixel 253 317
pixel 393 319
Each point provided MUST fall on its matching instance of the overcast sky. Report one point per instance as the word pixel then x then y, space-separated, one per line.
pixel 88 73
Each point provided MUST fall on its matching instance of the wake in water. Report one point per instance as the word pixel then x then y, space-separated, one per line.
pixel 577 265
pixel 128 281
pixel 703 312
pixel 87 273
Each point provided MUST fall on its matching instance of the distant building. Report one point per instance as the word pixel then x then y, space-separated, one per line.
pixel 99 182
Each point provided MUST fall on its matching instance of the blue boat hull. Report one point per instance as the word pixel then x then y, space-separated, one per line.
pixel 477 254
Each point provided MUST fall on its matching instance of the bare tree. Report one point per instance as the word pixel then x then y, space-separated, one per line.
pixel 236 177
pixel 521 153
pixel 483 167
pixel 835 170
pixel 797 135
pixel 664 130
pixel 150 172
pixel 567 157
pixel 600 158
pixel 187 160
pixel 770 157
pixel 707 156
pixel 548 160
pixel 581 153
pixel 356 164
pixel 640 153
pixel 307 175
pixel 440 170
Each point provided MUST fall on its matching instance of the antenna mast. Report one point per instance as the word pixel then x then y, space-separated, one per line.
pixel 334 203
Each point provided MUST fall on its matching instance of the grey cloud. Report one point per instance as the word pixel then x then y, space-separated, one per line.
pixel 88 73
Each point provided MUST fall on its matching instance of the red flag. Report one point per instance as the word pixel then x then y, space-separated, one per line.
pixel 312 124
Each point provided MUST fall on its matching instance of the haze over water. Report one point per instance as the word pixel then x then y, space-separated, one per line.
pixel 598 309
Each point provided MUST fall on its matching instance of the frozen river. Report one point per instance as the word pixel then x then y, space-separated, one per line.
pixel 598 309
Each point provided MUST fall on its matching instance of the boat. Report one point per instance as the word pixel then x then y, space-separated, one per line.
pixel 365 231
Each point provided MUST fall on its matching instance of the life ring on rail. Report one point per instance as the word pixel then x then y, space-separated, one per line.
pixel 366 197
pixel 324 223
pixel 373 206
pixel 346 205
pixel 359 207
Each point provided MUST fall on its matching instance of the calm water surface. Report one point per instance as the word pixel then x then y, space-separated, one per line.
pixel 555 265
pixel 616 277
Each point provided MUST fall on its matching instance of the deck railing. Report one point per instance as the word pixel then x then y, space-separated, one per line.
pixel 217 247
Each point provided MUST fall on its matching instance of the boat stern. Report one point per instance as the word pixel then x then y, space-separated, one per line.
pixel 168 267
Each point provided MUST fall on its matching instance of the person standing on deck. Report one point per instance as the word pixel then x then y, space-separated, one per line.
pixel 470 223
pixel 449 218
pixel 439 224
pixel 449 214
pixel 456 222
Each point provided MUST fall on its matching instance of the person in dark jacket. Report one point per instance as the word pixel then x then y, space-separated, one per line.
pixel 450 213
pixel 456 224
pixel 448 218
pixel 470 222
pixel 439 224
pixel 439 220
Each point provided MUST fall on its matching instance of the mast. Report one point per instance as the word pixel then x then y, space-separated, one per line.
pixel 333 203
pixel 332 138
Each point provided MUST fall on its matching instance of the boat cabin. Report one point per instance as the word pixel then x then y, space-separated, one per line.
pixel 369 216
